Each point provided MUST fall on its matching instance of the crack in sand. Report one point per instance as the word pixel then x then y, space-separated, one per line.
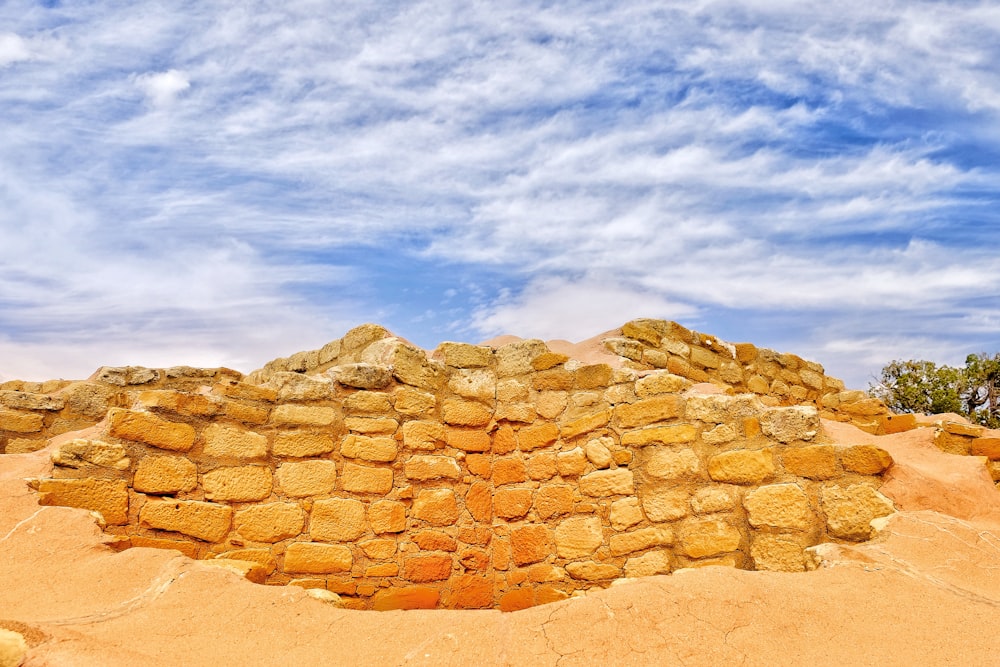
pixel 21 523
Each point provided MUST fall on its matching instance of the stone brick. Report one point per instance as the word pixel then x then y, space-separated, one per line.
pixel 542 466
pixel 427 567
pixel 674 433
pixel 228 442
pixel 299 387
pixel 758 385
pixel 648 564
pixel 591 571
pixel 437 507
pixel 742 466
pixel 239 484
pixel 205 521
pixel 777 554
pixel 387 516
pixel 422 468
pixel 572 463
pixel 638 540
pixel 337 520
pixel 20 400
pixel 479 502
pixel 649 411
pixel 433 540
pixel 313 558
pixel 556 379
pixel 480 385
pixel 262 557
pixel 362 375
pixel 530 544
pixel 303 415
pixel 463 355
pixel 244 391
pixel 183 403
pixel 504 440
pixel 586 424
pixel 472 592
pixel 708 537
pixel 362 447
pixel 80 453
pixel 551 501
pixel 593 376
pixel 709 499
pixel 423 435
pixel 550 404
pixel 625 513
pixel 516 358
pixel 665 504
pixel 307 478
pixel 704 358
pixel 509 470
pixel 407 597
pixel 382 570
pixel 548 360
pixel 248 414
pixel 146 428
pixel 367 402
pixel 272 522
pixel 671 463
pixel 578 537
pixel 363 479
pixel 783 506
pixel 539 435
pixel 850 511
pixel 413 402
pixel 897 423
pixel 300 444
pixel 813 462
pixel 789 424
pixel 865 459
pixel 720 434
pixel 371 425
pixel 165 475
pixel 523 413
pixel 189 549
pixel 409 364
pixel 511 503
pixel 379 549
pixel 468 440
pixel 602 483
pixel 660 382
pixel 474 559
pixel 107 496
pixel 987 446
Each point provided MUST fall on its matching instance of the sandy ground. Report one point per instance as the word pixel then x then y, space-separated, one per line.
pixel 925 592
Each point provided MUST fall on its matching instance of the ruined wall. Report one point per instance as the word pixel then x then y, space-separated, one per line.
pixel 475 478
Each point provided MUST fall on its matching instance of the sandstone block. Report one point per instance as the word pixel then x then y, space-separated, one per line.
pixel 20 400
pixel 189 549
pixel 361 375
pixel 307 478
pixel 865 459
pixel 465 413
pixel 367 402
pixel 227 442
pixel 649 411
pixel 382 570
pixel 337 520
pixel 719 408
pixel 637 540
pixel 757 385
pixel 107 496
pixel 512 503
pixel 897 423
pixel 472 592
pixel 413 402
pixel 509 470
pixel 779 506
pixel 586 424
pixel 409 364
pixel 572 463
pixel 709 537
pixel 539 435
pixel 371 425
pixel 299 387
pixel 777 554
pixel 648 331
pixel 245 391
pixel 303 415
pixel 387 516
pixel 423 435
pixel 986 446
pixel 122 376
pixel 239 484
pixel 208 522
pixel 427 567
pixel 517 358
pixel 602 483
pixel 272 522
pixel 550 404
pixel 556 379
pixel 742 466
pixel 522 413
pixel 407 597
pixel 362 479
pixel 625 513
pixel 665 504
pixel 674 433
pixel 422 468
pixel 578 537
pixel 144 427
pixel 720 434
pixel 813 462
pixel 468 440
pixel 789 424
pixel 709 499
pixel 80 453
pixel 312 558
pixel 463 355
pixel 262 557
pixel 850 511
pixel 591 571
pixel 248 414
pixel 434 540
pixel 480 385
pixel 300 444
pixel 530 544
pixel 624 347
pixel 379 549
pixel 542 466
pixel 660 382
pixel 598 452
pixel 369 449
pixel 479 502
pixel 594 376
pixel 437 507
pixel 551 501
pixel 165 475
pixel 703 358
pixel 180 402
pixel 670 463
pixel 648 564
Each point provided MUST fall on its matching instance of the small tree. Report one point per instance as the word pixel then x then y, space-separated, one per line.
pixel 980 389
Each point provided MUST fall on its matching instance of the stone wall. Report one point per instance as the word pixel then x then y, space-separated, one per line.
pixel 474 477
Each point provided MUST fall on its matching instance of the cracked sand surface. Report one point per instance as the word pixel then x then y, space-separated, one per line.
pixel 926 591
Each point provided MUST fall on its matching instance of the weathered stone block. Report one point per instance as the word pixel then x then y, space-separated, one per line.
pixel 107 496
pixel 437 507
pixel 542 466
pixel 303 415
pixel 578 537
pixel 709 499
pixel 649 411
pixel 299 387
pixel 475 384
pixel 208 522
pixel 777 554
pixel 571 463
pixel 865 459
pixel 407 597
pixel 239 484
pixel 227 442
pixel 362 479
pixel 369 449
pixel 665 504
pixel 551 501
pixel 245 391
pixel 530 544
pixel 625 513
pixel 425 435
pixel 539 435
pixel 572 428
pixel 598 452
pixel 189 549
pixel 427 567
pixel 670 463
pixel 638 540
pixel 371 425
pixel 742 466
pixel 248 414
pixel 511 503
pixel 465 413
pixel 165 475
pixel 414 403
pixel 703 358
pixel 180 402
pixel 337 520
pixel 665 435
pixel 312 558
pixel 779 506
pixel 272 522
pixel 813 462
pixel 602 483
pixel 708 537
pixel 81 453
pixel 987 446
pixel 379 549
pixel 300 444
pixel 422 468
pixel 556 379
pixel 660 382
pixel 307 478
pixel 649 564
pixel 789 424
pixel 850 511
pixel 143 427
pixel 479 502
pixel 387 516
pixel 409 364
pixel 368 402
pixel 509 470
pixel 591 571
pixel 362 375
pixel 463 355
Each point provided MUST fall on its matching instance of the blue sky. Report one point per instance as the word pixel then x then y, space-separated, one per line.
pixel 220 183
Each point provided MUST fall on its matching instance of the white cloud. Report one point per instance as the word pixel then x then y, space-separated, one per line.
pixel 13 49
pixel 162 88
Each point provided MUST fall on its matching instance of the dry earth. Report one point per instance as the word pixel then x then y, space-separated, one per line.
pixel 926 591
